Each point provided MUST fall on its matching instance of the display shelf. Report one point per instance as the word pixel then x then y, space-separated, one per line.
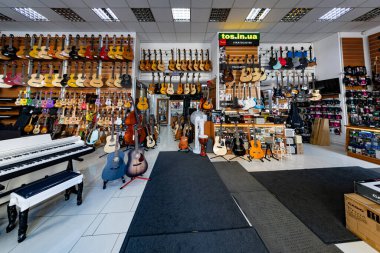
pixel 370 129
pixel 364 157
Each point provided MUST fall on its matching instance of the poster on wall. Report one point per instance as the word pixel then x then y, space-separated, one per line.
pixel 239 39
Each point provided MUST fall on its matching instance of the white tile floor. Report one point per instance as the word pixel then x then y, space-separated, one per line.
pixel 101 222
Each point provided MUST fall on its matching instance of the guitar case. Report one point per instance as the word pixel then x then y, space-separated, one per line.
pixel 294 119
pixel 209 145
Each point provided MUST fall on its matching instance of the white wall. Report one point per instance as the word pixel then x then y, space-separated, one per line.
pixel 328 56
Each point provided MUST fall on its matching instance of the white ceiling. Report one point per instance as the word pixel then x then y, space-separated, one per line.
pixel 199 30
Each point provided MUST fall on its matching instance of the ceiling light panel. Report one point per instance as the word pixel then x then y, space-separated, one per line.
pixel 31 14
pixel 181 14
pixel 143 14
pixel 219 14
pixel 106 14
pixel 369 15
pixel 68 14
pixel 5 18
pixel 295 14
pixel 257 14
pixel 334 14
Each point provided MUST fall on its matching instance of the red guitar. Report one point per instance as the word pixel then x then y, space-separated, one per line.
pixel 104 50
pixel 89 54
pixel 12 77
pixel 281 59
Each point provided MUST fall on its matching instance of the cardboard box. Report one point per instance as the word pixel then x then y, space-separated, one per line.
pixel 363 218
pixel 298 139
pixel 300 150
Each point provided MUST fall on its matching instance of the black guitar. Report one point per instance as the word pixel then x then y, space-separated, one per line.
pixel 126 80
pixel 238 144
pixel 289 60
pixel 303 60
pixel 272 59
pixel 74 49
pixel 10 50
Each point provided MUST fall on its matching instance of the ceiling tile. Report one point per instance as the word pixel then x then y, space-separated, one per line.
pixel 87 14
pixel 181 27
pixel 249 26
pixel 370 3
pixel 198 27
pixel 265 3
pixel 53 3
pixel 154 36
pixel 116 26
pixel 297 27
pixel 12 3
pixel 210 36
pixel 222 3
pixel 243 4
pixel 161 3
pixel 330 3
pixel 349 26
pixel 66 26
pixel 232 26
pixel 117 3
pixel 134 27
pixel 314 14
pixel 265 27
pixel 31 3
pixel 99 26
pixel 308 3
pixel 357 12
pixel 332 27
pixel 95 3
pixel 276 15
pixel 83 26
pixel 169 37
pixel 281 27
pixel 201 3
pixel 197 37
pixel 50 14
pixel 366 26
pixel 162 14
pixel 285 37
pixel 237 15
pixel 314 27
pixel 125 14
pixel 166 27
pixel 183 37
pixel 142 37
pixel 138 3
pixel 214 26
pixel 180 3
pixel 353 3
pixel 13 14
pixel 285 4
pixel 149 27
pixel 75 4
pixel 200 15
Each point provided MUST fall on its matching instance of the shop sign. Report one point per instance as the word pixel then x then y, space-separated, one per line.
pixel 239 39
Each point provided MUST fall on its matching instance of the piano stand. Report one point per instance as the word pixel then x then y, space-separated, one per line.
pixel 75 191
pixel 79 159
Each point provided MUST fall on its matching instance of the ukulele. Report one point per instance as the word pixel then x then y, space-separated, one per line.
pixel 37 127
pixel 148 63
pixel 58 77
pixel 44 52
pixel 48 78
pixel 9 50
pixel 195 62
pixel 154 62
pixel 23 52
pixel 152 86
pixel 36 80
pixel 35 49
pixel 66 49
pixel 238 143
pixel 184 61
pixel 170 87
pixel 180 85
pixel 29 127
pixel 83 47
pixel 104 50
pixel 186 90
pixel 72 82
pixel 3 40
pixel 142 62
pixel 172 63
pixel 190 62
pixel 207 66
pixel 44 128
pixel 82 76
pixel 193 89
pixel 90 50
pixel 160 65
pixel 201 62
pixel 117 82
pixel 163 86
pixel 143 104
pixel 113 49
pixel 96 81
pixel 179 61
pixel 111 79
pixel 255 151
pixel 128 50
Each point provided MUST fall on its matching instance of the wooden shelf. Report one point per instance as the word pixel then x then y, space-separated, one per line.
pixel 363 157
pixel 370 129
pixel 251 125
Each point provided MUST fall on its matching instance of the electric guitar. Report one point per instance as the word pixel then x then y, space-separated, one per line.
pixel 255 151
pixel 220 147
pixel 316 96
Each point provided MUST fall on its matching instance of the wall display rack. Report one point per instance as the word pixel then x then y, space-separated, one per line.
pixel 363 143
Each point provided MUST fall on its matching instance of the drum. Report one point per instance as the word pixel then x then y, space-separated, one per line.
pixel 203 141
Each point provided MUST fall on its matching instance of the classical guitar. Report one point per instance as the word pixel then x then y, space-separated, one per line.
pixel 60 52
pixel 117 82
pixel 111 79
pixel 238 144
pixel 72 82
pixel 184 61
pixel 190 62
pixel 207 66
pixel 316 95
pixel 142 61
pixel 196 62
pixel 201 62
pixel 179 61
pixel 163 86
pixel 120 49
pixel 83 47
pixel 143 104
pixel 2 76
pixel 160 65
pixel 128 50
pixel 24 77
pixel 152 86
pixel 81 76
pixel 180 85
pixel 37 126
pixel 170 87
pixel 44 52
pixel 207 105
pixel 96 81
pixel 9 50
pixel 193 88
pixel 219 147
pixel 29 127
pixel 172 63
pixel 136 165
pixel 186 90
pixel 104 50
pixel 67 48
pixel 154 62
pixel 148 62
pixel 48 78
pixel 90 50
pixel 53 48
pixel 112 49
pixel 36 48
pixel 255 150
pixel 36 80
pixel 111 140
pixel 2 45
pixel 199 85
pixel 44 128
pixel 24 49
pixel 58 77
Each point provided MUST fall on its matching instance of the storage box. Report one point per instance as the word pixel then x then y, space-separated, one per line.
pixel 369 189
pixel 363 218
pixel 289 141
pixel 289 132
pixel 298 139
pixel 300 150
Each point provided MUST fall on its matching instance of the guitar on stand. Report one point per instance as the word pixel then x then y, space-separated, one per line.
pixel 219 148
pixel 255 151
pixel 238 146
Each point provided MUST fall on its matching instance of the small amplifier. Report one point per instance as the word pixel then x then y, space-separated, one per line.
pixel 369 189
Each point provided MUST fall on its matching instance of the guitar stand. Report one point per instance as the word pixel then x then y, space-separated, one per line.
pixel 269 148
pixel 241 157
pixel 250 158
pixel 133 179
pixel 222 156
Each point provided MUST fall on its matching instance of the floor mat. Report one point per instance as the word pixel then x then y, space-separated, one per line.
pixel 315 196
pixel 235 240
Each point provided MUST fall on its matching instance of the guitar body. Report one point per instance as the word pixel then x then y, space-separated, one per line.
pixel 57 81
pixel 219 147
pixel 316 96
pixel 35 81
pixel 142 65
pixel 128 136
pixel 80 80
pixel 238 147
pixel 137 165
pixel 180 89
pixel 21 53
pixel 171 65
pixel 34 52
pixel 143 105
pixel 193 89
pixel 207 66
pixel 110 82
pixel 104 53
pixel 44 53
pixel 72 82
pixel 150 142
pixel 48 81
pixel 263 76
pixel 277 65
pixel 163 89
pixel 170 89
pixel 152 88
pixel 128 53
pixel 178 66
pixel 256 151
pixel 161 67
pixel 110 144
pixel 96 81
pixel 207 105
pixel 114 168
pixel 246 75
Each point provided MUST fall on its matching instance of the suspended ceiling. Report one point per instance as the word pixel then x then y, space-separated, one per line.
pixel 307 29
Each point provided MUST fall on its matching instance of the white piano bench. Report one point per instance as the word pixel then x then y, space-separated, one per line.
pixel 34 193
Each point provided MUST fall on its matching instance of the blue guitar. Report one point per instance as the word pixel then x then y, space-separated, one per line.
pixel 115 165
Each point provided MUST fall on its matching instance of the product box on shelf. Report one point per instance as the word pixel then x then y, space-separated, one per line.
pixel 363 218
pixel 369 189
pixel 300 149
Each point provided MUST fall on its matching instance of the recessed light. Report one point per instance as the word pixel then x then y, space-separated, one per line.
pixel 5 18
pixel 369 15
pixel 181 14
pixel 68 14
pixel 143 14
pixel 334 14
pixel 257 14
pixel 31 14
pixel 219 14
pixel 106 14
pixel 295 14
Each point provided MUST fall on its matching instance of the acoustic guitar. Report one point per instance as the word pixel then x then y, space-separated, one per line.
pixel 112 49
pixel 255 151
pixel 44 51
pixel 23 51
pixel 58 77
pixel 180 85
pixel 154 62
pixel 96 81
pixel 137 164
pixel 120 49
pixel 172 63
pixel 142 62
pixel 29 127
pixel 246 74
pixel 83 47
pixel 9 50
pixel 207 66
pixel 196 62
pixel 163 86
pixel 315 95
pixel 148 62
pixel 184 61
pixel 207 105
pixel 104 50
pixel 3 76
pixel 60 52
pixel 111 79
pixel 227 73
pixel 111 140
pixel 36 80
pixel 72 82
pixel 152 86
pixel 170 87
pixel 219 147
pixel 178 63
pixel 190 62
pixel 128 51
pixel 48 78
pixel 201 62
pixel 81 76
pixel 238 144
pixel 160 65
pixel 117 82
pixel 36 48
pixel 193 88
pixel 90 50
pixel 143 104
pixel 2 45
